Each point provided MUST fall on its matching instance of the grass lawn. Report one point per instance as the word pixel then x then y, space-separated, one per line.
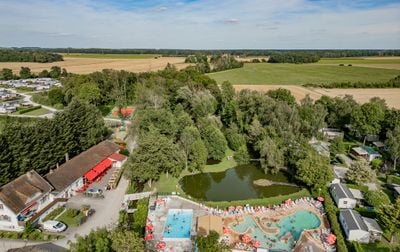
pixel 351 60
pixel 170 184
pixel 110 56
pixel 37 112
pixel 297 74
pixel 70 221
pixel 383 245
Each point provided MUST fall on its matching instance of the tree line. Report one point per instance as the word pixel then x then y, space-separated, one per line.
pixel 323 53
pixel 41 144
pixel 18 55
pixel 55 72
pixel 214 63
pixel 392 83
pixel 293 57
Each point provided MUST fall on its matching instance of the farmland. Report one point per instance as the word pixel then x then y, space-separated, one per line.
pixel 297 74
pixel 109 56
pixel 374 62
pixel 391 95
pixel 82 64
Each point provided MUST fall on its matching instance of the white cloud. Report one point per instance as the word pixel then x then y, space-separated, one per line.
pixel 199 24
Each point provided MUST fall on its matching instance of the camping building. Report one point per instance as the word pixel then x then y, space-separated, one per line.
pixel 21 199
pixel 365 152
pixel 354 226
pixel 343 196
pixel 74 175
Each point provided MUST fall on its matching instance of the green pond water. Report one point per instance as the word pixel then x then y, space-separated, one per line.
pixel 234 184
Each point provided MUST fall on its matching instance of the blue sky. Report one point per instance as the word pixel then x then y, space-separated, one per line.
pixel 201 24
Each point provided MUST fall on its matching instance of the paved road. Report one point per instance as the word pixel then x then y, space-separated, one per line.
pixel 106 215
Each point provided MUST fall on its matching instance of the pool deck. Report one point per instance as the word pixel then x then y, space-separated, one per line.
pixel 158 218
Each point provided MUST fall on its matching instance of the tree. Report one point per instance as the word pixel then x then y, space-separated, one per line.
pixel 360 172
pixel 389 215
pixel 154 155
pixel 25 73
pixel 55 72
pixel 215 142
pixel 242 156
pixel 393 144
pixel 376 198
pixel 44 74
pixel 126 241
pixel 271 155
pixel 89 92
pixel 337 147
pixel 314 170
pixel 188 137
pixel 234 138
pixel 6 74
pixel 367 119
pixel 56 96
pixel 312 116
pixel 210 243
pixel 97 240
pixel 198 155
pixel 283 95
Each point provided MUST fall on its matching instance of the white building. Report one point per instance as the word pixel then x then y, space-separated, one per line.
pixel 21 199
pixel 343 196
pixel 332 133
pixel 71 177
pixel 365 152
pixel 354 226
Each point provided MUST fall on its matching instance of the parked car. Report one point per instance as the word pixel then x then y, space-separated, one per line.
pixel 95 191
pixel 54 226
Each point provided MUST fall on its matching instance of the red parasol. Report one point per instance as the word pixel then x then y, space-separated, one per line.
pixel 288 201
pixel 321 199
pixel 227 231
pixel 330 239
pixel 148 237
pixel 239 207
pixel 256 244
pixel 161 245
pixel 231 208
pixel 246 238
pixel 149 227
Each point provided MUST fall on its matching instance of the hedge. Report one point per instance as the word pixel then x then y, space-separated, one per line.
pixel 391 179
pixel 331 212
pixel 264 201
pixel 33 236
pixel 392 83
pixel 29 109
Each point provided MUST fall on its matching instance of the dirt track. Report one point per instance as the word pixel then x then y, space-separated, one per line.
pixel 89 65
pixel 391 95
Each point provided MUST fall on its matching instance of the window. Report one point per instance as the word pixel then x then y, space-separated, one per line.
pixel 1 207
pixel 345 202
pixel 5 218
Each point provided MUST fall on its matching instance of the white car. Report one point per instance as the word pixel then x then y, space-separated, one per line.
pixel 54 226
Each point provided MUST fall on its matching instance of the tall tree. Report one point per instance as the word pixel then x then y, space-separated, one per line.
pixel 55 72
pixel 314 170
pixel 215 142
pixel 125 241
pixel 6 74
pixel 271 155
pixel 389 215
pixel 89 92
pixel 25 73
pixel 187 138
pixel 360 172
pixel 198 155
pixel 283 95
pixel 393 144
pixel 242 156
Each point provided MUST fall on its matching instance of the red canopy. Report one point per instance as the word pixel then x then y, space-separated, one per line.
pixel 161 245
pixel 331 239
pixel 148 237
pixel 256 243
pixel 321 199
pixel 246 238
pixel 227 231
pixel 98 169
pixel 149 226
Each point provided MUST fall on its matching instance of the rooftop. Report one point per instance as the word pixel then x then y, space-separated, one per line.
pixel 22 191
pixel 353 220
pixel 372 225
pixel 342 191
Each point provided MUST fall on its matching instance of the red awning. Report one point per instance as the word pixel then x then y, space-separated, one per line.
pixel 91 175
pixel 98 169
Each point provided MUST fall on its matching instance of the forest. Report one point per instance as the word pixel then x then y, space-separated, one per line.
pixel 216 63
pixel 293 57
pixel 55 72
pixel 323 53
pixel 41 144
pixel 19 55
pixel 392 83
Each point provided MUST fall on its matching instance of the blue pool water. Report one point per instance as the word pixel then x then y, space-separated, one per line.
pixel 294 224
pixel 178 223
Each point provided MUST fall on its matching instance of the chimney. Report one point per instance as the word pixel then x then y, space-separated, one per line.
pixel 66 157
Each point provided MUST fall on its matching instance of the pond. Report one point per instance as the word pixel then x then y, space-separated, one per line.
pixel 235 184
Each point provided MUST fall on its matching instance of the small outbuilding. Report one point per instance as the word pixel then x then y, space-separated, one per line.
pixel 375 231
pixel 366 152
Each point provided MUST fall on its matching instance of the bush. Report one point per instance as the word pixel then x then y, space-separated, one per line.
pixel 58 106
pixel 124 152
pixel 366 212
pixel 391 179
pixel 29 109
pixel 376 198
pixel 71 213
pixel 341 64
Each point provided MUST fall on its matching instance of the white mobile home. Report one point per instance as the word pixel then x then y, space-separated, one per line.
pixel 354 226
pixel 343 196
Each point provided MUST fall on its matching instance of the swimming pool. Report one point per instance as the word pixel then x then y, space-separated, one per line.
pixel 290 229
pixel 178 224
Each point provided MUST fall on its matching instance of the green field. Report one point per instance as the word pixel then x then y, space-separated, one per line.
pixel 369 61
pixel 110 56
pixel 297 74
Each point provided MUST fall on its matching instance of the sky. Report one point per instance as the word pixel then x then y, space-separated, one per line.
pixel 201 24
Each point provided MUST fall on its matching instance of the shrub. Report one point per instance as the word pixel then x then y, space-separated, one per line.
pixel 341 64
pixel 29 109
pixel 391 179
pixel 124 152
pixel 53 214
pixel 71 213
pixel 376 198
